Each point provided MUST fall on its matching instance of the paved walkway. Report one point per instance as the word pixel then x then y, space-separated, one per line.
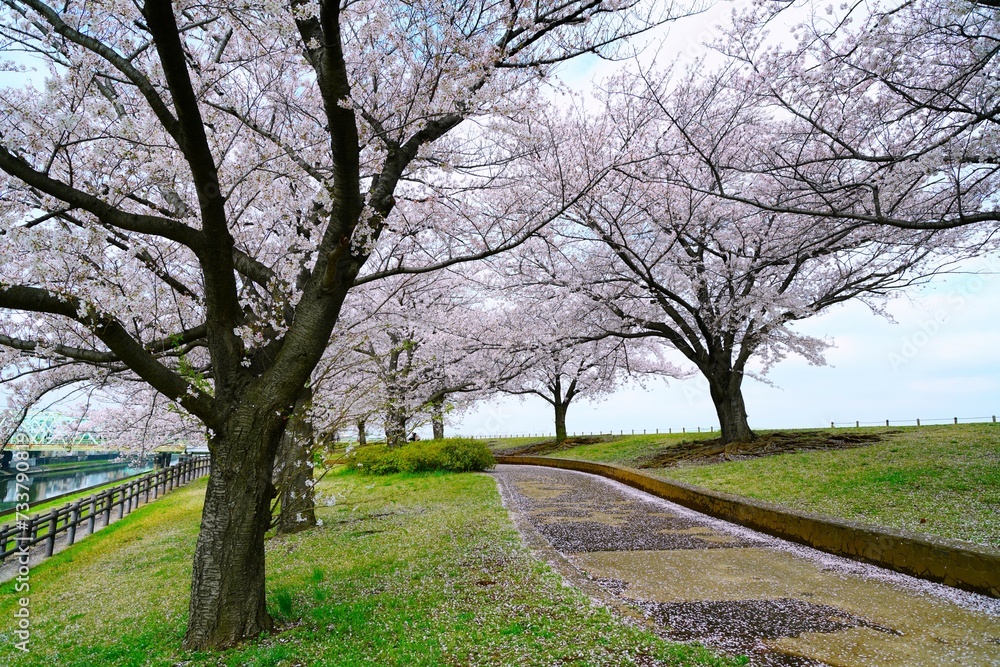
pixel 697 578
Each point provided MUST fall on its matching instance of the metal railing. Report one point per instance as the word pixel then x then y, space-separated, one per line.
pixel 83 514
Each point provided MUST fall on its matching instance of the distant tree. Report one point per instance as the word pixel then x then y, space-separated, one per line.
pixel 718 279
pixel 559 345
pixel 421 345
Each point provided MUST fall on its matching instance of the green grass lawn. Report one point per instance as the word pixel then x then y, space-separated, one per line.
pixel 406 570
pixel 942 480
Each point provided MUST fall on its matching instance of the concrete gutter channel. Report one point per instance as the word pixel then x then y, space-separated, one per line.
pixel 954 563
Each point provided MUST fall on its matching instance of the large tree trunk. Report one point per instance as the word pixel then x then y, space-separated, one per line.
pixel 727 394
pixel 227 587
pixel 437 419
pixel 561 408
pixel 293 471
pixel 362 436
pixel 395 428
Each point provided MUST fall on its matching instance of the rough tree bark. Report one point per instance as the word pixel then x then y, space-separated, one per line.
pixel 561 408
pixel 362 434
pixel 227 587
pixel 725 387
pixel 437 419
pixel 293 471
pixel 395 428
pixel 560 401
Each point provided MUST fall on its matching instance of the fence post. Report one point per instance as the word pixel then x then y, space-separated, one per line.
pixel 93 514
pixel 831 425
pixel 50 539
pixel 145 482
pixel 121 504
pixel 74 518
pixel 857 424
pixel 956 420
pixel 918 422
pixel 107 506
pixel 886 422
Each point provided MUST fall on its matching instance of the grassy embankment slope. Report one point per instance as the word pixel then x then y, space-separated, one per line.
pixel 941 480
pixel 406 570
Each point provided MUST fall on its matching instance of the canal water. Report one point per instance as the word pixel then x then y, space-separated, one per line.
pixel 43 485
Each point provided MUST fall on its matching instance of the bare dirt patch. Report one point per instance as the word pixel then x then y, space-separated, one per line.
pixel 549 446
pixel 769 444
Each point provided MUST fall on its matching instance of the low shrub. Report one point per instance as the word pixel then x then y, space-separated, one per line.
pixel 453 455
pixel 374 460
pixel 465 455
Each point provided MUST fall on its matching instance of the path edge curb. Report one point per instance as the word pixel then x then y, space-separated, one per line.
pixel 954 563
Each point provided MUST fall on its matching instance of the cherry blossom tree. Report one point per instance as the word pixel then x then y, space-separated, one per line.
pixel 719 280
pixel 883 113
pixel 215 178
pixel 423 342
pixel 558 346
pixel 569 369
pixel 106 403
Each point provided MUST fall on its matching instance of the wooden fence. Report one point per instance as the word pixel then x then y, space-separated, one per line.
pixel 610 432
pixel 711 429
pixel 919 422
pixel 82 514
